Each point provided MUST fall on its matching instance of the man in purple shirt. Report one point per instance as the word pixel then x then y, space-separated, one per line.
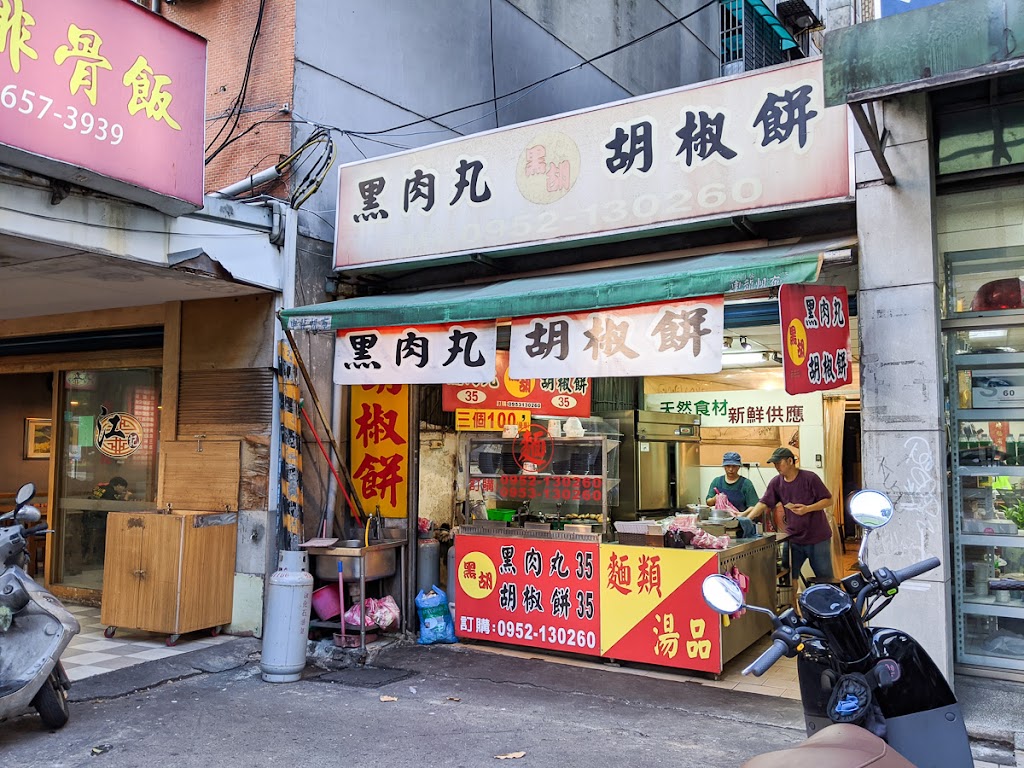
pixel 804 498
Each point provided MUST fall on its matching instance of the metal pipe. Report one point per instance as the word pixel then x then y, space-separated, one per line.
pixel 249 183
pixel 154 6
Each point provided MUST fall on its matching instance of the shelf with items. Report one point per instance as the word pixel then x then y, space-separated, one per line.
pixel 578 483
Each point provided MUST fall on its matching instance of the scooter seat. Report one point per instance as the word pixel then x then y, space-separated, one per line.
pixel 838 746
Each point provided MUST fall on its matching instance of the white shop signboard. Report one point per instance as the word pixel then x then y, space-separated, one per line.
pixel 671 338
pixel 742 408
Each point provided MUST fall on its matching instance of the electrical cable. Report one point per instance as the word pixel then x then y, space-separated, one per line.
pixel 579 65
pixel 95 225
pixel 236 107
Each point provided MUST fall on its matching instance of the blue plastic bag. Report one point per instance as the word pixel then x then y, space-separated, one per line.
pixel 436 624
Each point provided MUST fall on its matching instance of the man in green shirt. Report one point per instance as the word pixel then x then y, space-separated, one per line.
pixel 739 490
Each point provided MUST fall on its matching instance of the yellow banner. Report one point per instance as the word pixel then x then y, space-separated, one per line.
pixel 490 419
pixel 637 580
pixel 379 452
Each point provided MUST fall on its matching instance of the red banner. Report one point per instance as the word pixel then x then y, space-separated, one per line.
pixel 550 397
pixel 537 593
pixel 815 337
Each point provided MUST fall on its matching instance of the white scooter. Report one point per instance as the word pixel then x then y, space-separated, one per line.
pixel 34 627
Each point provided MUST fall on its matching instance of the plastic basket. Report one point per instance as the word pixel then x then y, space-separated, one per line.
pixel 504 515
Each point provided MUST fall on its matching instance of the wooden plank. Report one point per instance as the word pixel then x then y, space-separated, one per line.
pixel 124 317
pixel 122 558
pixel 136 358
pixel 207 480
pixel 171 373
pixel 235 332
pixel 207 573
pixel 234 402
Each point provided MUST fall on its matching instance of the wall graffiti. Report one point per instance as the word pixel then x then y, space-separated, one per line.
pixel 913 484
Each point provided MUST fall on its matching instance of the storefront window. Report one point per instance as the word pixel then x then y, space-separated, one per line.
pixel 985 346
pixel 107 462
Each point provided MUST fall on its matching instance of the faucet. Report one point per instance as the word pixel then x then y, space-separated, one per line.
pixel 374 526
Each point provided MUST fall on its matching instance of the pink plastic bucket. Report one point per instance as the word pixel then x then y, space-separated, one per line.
pixel 326 603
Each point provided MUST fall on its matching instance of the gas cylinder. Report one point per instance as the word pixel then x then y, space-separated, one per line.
pixel 286 628
pixel 428 564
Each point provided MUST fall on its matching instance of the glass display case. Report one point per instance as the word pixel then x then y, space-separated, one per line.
pixel 564 481
pixel 984 337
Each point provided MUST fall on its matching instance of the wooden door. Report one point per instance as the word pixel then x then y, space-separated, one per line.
pixel 207 569
pixel 160 574
pixel 122 562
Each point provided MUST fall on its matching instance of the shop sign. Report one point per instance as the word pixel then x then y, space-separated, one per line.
pixel 640 604
pixel 490 419
pixel 117 435
pixel 426 354
pixel 106 95
pixel 380 447
pixel 815 338
pixel 652 608
pixel 695 153
pixel 82 380
pixel 673 338
pixel 562 396
pixel 532 592
pixel 738 408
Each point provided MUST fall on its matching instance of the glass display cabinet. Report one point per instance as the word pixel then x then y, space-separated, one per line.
pixel 984 334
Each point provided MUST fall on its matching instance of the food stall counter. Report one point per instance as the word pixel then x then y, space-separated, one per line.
pixel 574 593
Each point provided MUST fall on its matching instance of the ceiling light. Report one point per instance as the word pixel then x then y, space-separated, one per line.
pixel 744 343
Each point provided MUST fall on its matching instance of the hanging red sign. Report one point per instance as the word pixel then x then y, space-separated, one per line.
pixel 566 396
pixel 815 337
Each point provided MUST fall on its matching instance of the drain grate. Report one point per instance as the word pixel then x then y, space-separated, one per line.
pixel 366 677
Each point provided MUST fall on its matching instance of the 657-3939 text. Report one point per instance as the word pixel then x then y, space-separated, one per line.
pixel 36 106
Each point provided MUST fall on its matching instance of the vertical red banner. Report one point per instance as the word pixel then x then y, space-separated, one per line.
pixel 815 337
pixel 537 593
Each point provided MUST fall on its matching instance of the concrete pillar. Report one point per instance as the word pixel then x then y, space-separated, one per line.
pixel 904 443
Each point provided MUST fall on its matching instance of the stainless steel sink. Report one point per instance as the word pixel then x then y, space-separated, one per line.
pixel 376 563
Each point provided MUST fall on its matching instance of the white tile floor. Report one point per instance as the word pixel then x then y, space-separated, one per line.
pixel 90 653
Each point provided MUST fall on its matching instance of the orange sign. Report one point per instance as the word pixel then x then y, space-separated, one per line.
pixel 489 419
pixel 380 447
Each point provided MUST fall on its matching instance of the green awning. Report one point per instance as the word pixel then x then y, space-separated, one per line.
pixel 723 273
pixel 762 10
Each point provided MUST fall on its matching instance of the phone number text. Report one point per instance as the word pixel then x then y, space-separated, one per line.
pixel 547 633
pixel 37 105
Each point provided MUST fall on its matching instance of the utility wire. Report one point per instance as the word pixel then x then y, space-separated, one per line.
pixel 574 67
pixel 236 107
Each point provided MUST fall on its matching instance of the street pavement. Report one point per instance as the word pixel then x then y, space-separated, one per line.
pixel 453 706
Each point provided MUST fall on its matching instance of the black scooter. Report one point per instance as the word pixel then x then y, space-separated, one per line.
pixel 879 679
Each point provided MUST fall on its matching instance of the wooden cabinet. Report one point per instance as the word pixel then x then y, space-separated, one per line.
pixel 169 572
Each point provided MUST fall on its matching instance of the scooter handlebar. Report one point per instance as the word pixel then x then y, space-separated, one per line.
pixel 903 574
pixel 40 528
pixel 762 663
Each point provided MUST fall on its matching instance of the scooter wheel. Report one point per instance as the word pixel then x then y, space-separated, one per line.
pixel 51 702
pixel 109 632
pixel 214 631
pixel 172 640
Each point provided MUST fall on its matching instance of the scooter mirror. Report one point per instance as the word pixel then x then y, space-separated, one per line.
pixel 870 509
pixel 722 594
pixel 28 515
pixel 25 493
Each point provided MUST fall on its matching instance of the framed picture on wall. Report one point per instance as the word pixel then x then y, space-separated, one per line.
pixel 37 438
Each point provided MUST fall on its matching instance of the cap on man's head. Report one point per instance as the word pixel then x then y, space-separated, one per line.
pixel 731 459
pixel 780 454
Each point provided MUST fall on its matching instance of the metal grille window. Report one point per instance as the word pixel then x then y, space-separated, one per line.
pixel 748 40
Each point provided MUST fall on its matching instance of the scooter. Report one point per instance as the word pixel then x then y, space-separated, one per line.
pixel 34 627
pixel 879 680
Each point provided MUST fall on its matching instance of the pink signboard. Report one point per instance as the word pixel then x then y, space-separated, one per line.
pixel 106 95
